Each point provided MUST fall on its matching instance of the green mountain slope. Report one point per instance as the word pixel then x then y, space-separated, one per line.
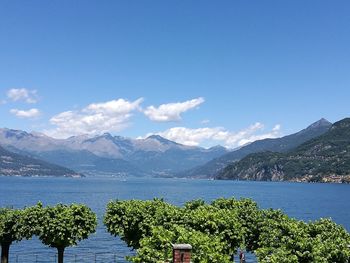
pixel 283 144
pixel 322 159
pixel 13 164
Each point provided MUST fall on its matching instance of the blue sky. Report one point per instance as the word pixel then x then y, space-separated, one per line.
pixel 225 72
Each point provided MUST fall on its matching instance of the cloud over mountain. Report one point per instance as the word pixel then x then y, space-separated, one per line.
pixel 171 111
pixel 114 116
pixel 96 118
pixel 230 139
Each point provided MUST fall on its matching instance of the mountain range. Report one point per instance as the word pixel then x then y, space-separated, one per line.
pixel 319 152
pixel 325 158
pixel 107 154
pixel 283 144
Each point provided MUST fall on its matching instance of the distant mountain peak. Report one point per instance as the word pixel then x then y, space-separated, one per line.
pixel 15 133
pixel 155 136
pixel 79 137
pixel 107 135
pixel 95 138
pixel 39 134
pixel 218 147
pixel 160 139
pixel 320 123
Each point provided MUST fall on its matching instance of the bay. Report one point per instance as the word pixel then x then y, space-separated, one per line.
pixel 298 200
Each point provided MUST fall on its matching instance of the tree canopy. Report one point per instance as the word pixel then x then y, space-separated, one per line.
pixel 65 225
pixel 217 230
pixel 57 226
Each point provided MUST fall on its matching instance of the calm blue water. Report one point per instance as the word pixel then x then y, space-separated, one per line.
pixel 302 201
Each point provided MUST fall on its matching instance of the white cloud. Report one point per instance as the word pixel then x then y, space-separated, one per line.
pixel 29 96
pixel 29 114
pixel 205 121
pixel 195 137
pixel 275 132
pixel 96 118
pixel 171 111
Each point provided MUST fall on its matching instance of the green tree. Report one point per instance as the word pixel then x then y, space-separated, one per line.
pixel 157 248
pixel 221 223
pixel 16 225
pixel 284 239
pixel 8 231
pixel 133 219
pixel 248 215
pixel 216 230
pixel 63 226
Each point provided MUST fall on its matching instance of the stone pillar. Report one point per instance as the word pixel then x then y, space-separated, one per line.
pixel 182 253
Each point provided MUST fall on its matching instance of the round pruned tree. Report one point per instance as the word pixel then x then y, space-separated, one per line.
pixel 65 225
pixel 9 230
pixel 16 225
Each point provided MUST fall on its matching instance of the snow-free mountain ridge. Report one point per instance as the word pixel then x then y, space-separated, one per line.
pixel 106 153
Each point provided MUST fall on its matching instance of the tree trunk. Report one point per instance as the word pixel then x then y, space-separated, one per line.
pixel 60 251
pixel 5 248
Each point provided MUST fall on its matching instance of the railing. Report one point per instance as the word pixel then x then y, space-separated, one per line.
pixel 68 258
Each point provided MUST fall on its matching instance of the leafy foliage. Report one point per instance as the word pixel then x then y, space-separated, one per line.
pixel 284 239
pixel 16 225
pixel 217 230
pixel 31 220
pixel 63 225
pixel 134 219
pixel 9 231
pixel 57 226
pixel 9 225
pixel 157 247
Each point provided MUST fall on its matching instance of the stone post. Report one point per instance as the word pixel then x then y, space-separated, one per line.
pixel 182 253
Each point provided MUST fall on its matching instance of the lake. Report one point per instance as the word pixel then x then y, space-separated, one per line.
pixel 299 200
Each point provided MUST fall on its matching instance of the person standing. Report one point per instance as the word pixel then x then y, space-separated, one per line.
pixel 241 257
